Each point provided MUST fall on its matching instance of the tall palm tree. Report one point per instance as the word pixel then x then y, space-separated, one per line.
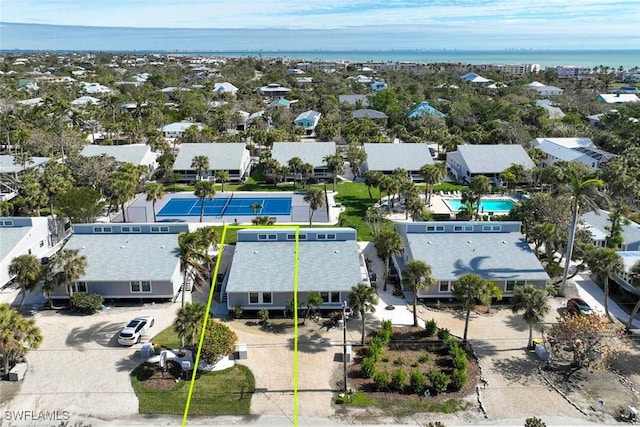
pixel 532 301
pixel 605 262
pixel 27 270
pixel 363 300
pixel 295 167
pixel 432 175
pixel 388 243
pixel 189 321
pixel 315 198
pixel 470 288
pixel 17 336
pixel 479 186
pixel 371 179
pixel 417 276
pixel 222 176
pixel 200 164
pixel 155 192
pixel 335 165
pixel 204 189
pixel 583 193
pixel 71 265
pixel 415 208
pixel 634 280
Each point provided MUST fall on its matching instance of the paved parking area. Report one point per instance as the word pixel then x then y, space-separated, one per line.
pixel 81 368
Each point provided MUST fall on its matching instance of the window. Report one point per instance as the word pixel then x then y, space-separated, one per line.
pixel 7 223
pixel 331 237
pixel 444 287
pixel 140 286
pixel 435 227
pixel 511 284
pixel 321 236
pixel 253 298
pixel 463 228
pixel 262 237
pixel 41 243
pixel 135 229
pixel 335 297
pixel 293 237
pixel 260 298
pixel 272 237
pixel 325 296
pixel 162 229
pixel 267 237
pixel 80 287
pixel 486 228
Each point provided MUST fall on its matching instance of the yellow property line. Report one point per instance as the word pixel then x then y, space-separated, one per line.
pixel 295 315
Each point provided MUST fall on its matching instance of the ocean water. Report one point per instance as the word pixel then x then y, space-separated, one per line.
pixel 346 44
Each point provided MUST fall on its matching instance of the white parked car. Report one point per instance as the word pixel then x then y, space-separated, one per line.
pixel 135 329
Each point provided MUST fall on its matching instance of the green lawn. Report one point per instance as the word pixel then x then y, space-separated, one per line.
pixel 402 408
pixel 355 199
pixel 225 392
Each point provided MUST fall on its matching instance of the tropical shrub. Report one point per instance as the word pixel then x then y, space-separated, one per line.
pixel 431 327
pixel 86 303
pixel 263 315
pixel 368 367
pixel 219 341
pixel 418 382
pixel 381 380
pixel 443 334
pixel 398 380
pixel 458 379
pixel 439 380
pixel 236 311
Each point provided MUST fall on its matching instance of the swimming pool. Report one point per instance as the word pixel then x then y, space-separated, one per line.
pixel 486 205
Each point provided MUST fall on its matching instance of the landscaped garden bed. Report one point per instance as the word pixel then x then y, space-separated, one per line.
pixel 413 368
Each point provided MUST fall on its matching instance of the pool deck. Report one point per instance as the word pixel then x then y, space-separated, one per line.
pixel 140 210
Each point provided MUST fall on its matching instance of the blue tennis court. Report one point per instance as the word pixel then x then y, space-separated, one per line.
pixel 223 206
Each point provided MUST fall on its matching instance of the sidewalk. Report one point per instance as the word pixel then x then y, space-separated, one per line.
pixel 594 296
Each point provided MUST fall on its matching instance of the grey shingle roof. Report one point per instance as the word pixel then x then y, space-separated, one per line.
pixel 496 256
pixel 9 238
pixel 123 257
pixel 368 112
pixel 494 158
pixel 384 157
pixel 598 224
pixel 309 152
pixel 269 266
pixel 222 156
pixel 133 154
pixel 7 166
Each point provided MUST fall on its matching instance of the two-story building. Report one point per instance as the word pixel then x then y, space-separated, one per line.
pixel 232 157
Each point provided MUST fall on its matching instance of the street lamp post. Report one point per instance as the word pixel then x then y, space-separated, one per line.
pixel 344 344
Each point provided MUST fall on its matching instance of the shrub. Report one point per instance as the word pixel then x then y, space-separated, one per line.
pixel 534 422
pixel 418 382
pixel 439 380
pixel 381 380
pixel 263 315
pixel 460 362
pixel 368 367
pixel 398 380
pixel 375 348
pixel 384 333
pixel 399 361
pixel 424 358
pixel 86 303
pixel 443 334
pixel 236 311
pixel 431 327
pixel 219 341
pixel 458 379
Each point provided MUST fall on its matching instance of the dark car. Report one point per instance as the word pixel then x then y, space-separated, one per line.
pixel 577 306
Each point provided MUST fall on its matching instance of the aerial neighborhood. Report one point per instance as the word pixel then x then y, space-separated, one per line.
pixel 384 227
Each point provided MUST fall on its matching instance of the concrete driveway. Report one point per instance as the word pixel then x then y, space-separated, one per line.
pixel 81 368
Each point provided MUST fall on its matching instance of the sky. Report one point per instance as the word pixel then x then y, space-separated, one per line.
pixel 397 24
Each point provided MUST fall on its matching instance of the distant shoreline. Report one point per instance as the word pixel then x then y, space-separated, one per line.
pixel 613 58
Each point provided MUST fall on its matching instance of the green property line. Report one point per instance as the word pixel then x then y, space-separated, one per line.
pixel 295 316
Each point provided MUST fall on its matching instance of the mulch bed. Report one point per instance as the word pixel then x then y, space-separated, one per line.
pixel 153 377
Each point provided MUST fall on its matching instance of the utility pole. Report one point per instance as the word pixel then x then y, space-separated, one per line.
pixel 344 345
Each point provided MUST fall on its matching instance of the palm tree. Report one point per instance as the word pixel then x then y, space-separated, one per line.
pixel 295 167
pixel 335 165
pixel 432 175
pixel 314 300
pixel 256 207
pixel 155 191
pixel 363 300
pixel 17 336
pixel 417 276
pixel 200 164
pixel 582 193
pixel 415 208
pixel 604 262
pixel 27 270
pixel 634 280
pixel 189 321
pixel 222 176
pixel 371 179
pixel 533 302
pixel 388 243
pixel 204 189
pixel 315 198
pixel 471 288
pixel 71 266
pixel 479 186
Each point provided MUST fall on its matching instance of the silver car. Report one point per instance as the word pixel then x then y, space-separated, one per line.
pixel 135 329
